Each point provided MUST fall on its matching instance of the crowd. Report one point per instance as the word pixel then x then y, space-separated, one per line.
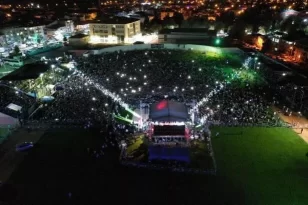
pixel 148 76
pixel 170 166
pixel 240 106
pixel 12 95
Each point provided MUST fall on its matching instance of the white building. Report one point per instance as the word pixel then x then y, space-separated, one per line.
pixel 59 29
pixel 115 30
pixel 23 34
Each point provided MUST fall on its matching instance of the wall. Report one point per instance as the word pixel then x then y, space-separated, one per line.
pixel 170 46
pixel 174 36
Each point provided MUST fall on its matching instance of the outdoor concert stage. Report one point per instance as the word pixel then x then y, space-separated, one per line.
pixel 167 141
pixel 167 131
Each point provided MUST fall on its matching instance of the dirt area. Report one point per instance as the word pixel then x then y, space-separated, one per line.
pixel 298 122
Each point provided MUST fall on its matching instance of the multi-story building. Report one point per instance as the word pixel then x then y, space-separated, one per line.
pixel 115 30
pixel 59 29
pixel 23 34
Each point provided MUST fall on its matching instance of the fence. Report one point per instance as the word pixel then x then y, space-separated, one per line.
pixel 211 49
pixel 172 169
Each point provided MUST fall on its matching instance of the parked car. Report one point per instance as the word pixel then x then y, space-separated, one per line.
pixel 24 146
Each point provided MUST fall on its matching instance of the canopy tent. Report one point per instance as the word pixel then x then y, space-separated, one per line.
pixel 168 111
pixel 14 107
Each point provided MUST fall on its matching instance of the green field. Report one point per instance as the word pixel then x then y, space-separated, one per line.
pixel 270 165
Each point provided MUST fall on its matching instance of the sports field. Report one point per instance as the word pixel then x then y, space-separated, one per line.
pixel 260 166
pixel 270 165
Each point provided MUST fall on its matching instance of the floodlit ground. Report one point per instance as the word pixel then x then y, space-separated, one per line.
pixel 269 164
pixel 134 144
pixel 137 150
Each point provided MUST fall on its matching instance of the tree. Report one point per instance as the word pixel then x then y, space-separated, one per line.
pixel 238 30
pixel 185 24
pixel 64 39
pixel 267 46
pixel 227 18
pixel 178 18
pixel 146 21
pixel 219 26
pixel 168 22
pixel 16 50
pixel 155 27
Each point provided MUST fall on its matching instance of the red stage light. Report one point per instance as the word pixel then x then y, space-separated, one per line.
pixel 162 105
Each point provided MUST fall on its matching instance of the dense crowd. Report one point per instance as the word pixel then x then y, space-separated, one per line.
pixel 97 86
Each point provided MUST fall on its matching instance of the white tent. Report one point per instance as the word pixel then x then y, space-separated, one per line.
pixel 14 107
pixel 8 121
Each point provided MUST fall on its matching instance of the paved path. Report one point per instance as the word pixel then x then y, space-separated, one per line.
pixel 298 123
pixel 9 158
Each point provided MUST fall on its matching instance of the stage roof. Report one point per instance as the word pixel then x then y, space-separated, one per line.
pixel 168 111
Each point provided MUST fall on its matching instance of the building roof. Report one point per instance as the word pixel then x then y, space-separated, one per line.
pixel 168 111
pixel 115 20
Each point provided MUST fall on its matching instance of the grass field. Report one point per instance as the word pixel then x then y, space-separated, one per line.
pixel 260 166
pixel 269 164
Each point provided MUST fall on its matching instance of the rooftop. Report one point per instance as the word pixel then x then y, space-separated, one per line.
pixel 115 20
